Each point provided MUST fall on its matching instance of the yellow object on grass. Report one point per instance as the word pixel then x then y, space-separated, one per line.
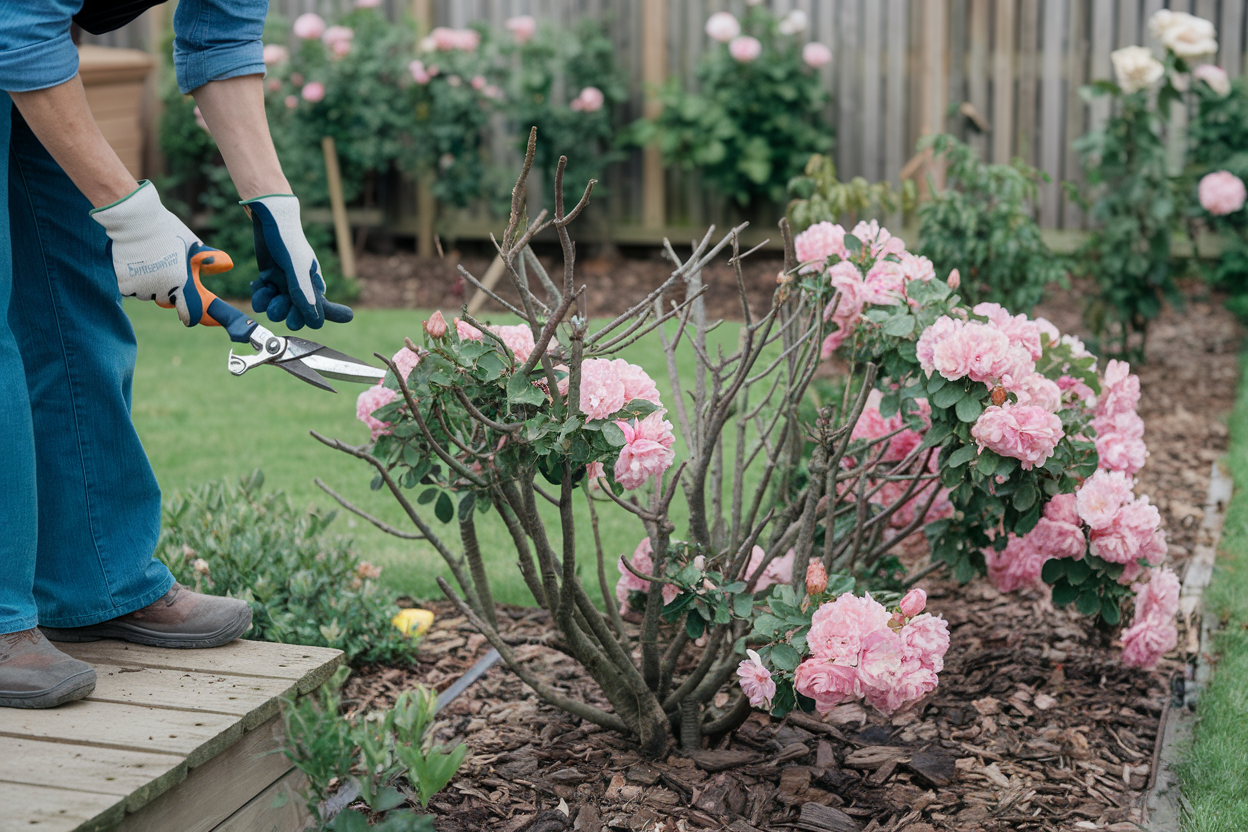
pixel 413 622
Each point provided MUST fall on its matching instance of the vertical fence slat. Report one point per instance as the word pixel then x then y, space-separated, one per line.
pixel 977 72
pixel 872 99
pixel 895 131
pixel 1003 82
pixel 1230 36
pixel 1128 22
pixel 1076 109
pixel 654 73
pixel 847 109
pixel 1028 49
pixel 1102 45
pixel 1051 110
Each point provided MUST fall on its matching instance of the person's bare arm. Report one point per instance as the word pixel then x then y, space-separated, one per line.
pixel 62 121
pixel 233 109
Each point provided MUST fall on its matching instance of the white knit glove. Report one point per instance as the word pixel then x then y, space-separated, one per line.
pixel 151 250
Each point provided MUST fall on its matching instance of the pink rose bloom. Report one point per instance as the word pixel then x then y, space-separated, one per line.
pixel 1145 642
pixel 589 100
pixel 1120 443
pixel 518 338
pixel 979 351
pixel 878 241
pixel 338 39
pixel 1215 77
pixel 1155 549
pixel 478 83
pixel 292 102
pixel 370 400
pixel 908 684
pixel 819 242
pixel 309 26
pixel 1016 566
pixel 1128 533
pixel 647 450
pixel 943 328
pixel 1081 392
pixel 1057 540
pixel 406 361
pixel 745 49
pixel 846 306
pixel 1101 496
pixel 756 681
pixel 917 267
pixel 367 4
pixel 275 54
pixel 885 284
pixel 467 332
pixel 1023 432
pixel 816 55
pixel 1120 389
pixel 913 602
pixel 722 26
pixel 954 280
pixel 1036 390
pixel 522 27
pixel 779 571
pixel 1018 328
pixel 926 640
pixel 839 626
pixel 313 91
pixel 642 562
pixel 435 327
pixel 602 389
pixel 1221 193
pixel 827 682
pixel 419 74
pixel 1062 509
pixel 1159 598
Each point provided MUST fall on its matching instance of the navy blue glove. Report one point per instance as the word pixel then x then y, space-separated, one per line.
pixel 290 287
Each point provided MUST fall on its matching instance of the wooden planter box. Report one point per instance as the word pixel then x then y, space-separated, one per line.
pixel 115 80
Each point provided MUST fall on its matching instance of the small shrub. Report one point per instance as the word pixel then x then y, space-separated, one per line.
pixel 818 196
pixel 303 586
pixel 382 749
pixel 982 225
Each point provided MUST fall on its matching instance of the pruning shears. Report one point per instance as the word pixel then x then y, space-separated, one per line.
pixel 300 357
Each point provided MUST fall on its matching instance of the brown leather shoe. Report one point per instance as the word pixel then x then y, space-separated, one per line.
pixel 34 674
pixel 182 618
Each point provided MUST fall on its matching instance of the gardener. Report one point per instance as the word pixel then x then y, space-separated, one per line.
pixel 80 512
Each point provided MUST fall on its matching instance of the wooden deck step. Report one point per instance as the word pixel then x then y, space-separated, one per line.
pixel 185 740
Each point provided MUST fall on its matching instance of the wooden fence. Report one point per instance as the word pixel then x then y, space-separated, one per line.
pixel 1003 74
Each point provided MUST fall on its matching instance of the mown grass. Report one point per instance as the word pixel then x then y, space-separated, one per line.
pixel 1215 774
pixel 199 423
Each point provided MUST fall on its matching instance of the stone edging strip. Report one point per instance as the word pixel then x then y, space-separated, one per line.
pixel 1164 805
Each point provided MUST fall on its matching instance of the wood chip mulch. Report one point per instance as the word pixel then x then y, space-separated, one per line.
pixel 1036 724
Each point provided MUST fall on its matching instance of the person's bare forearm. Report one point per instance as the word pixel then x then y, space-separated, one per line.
pixel 62 121
pixel 234 111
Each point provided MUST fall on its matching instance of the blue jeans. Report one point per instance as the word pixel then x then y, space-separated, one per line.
pixel 79 505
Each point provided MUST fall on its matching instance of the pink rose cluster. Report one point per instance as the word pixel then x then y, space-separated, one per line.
pixel 588 100
pixel 1152 633
pixel 643 562
pixel 376 397
pixel 522 27
pixel 778 571
pixel 444 39
pixel 1123 528
pixel 518 338
pixel 1025 432
pixel 1221 193
pixel 1119 428
pixel 338 39
pixel 1057 535
pixel 861 651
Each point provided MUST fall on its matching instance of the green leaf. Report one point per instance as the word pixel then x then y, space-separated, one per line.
pixel 444 510
pixel 948 395
pixel 767 624
pixel 986 463
pixel 853 245
pixel 1025 497
pixel 1089 602
pixel 520 390
pixel 900 325
pixel 694 625
pixel 1111 613
pixel 428 496
pixel 961 456
pixel 784 657
pixel 1064 593
pixel 1078 571
pixel 612 433
pixel 969 408
pixel 466 505
pixel 742 606
pixel 1053 570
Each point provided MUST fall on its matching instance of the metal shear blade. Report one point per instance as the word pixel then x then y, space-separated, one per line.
pixel 305 359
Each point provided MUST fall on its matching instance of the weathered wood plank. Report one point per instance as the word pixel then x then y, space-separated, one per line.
pixel 1129 22
pixel 309 667
pixel 848 81
pixel 1231 36
pixel 263 814
pixel 1028 52
pixel 46 809
pixel 1003 83
pixel 1076 109
pixel 977 73
pixel 1050 135
pixel 254 698
pixel 1102 45
pixel 896 150
pixel 872 97
pixel 84 768
pixel 196 736
pixel 220 787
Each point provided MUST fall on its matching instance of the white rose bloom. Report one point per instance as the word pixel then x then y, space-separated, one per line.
pixel 1215 77
pixel 1183 34
pixel 794 23
pixel 1136 68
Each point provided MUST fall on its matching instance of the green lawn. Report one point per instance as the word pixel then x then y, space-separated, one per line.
pixel 199 423
pixel 1215 777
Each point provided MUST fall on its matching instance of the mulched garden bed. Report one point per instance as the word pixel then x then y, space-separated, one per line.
pixel 1036 724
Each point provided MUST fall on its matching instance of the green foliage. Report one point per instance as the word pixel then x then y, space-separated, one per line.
pixel 554 62
pixel 303 586
pixel 750 127
pixel 818 196
pixel 982 225
pixel 383 750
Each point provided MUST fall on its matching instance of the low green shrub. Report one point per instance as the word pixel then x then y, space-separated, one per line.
pixel 304 587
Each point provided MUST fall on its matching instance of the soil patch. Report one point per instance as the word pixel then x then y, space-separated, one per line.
pixel 1036 724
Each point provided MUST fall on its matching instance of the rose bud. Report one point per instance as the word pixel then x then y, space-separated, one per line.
pixel 816 578
pixel 955 279
pixel 913 603
pixel 998 395
pixel 436 325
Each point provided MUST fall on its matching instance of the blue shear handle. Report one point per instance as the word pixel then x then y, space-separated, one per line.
pixel 237 324
pixel 215 312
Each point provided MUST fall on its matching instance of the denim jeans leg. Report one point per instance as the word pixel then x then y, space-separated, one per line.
pixel 18 510
pixel 99 504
